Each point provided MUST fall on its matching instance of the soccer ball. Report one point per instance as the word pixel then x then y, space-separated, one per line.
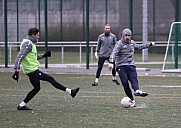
pixel 125 102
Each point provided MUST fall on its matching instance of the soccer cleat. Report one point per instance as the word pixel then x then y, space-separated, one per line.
pixel 23 108
pixel 95 84
pixel 116 82
pixel 132 103
pixel 74 92
pixel 140 93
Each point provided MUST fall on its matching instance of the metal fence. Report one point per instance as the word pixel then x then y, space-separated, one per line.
pixel 62 50
pixel 83 20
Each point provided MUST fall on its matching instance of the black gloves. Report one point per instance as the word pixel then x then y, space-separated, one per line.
pixel 16 75
pixel 47 54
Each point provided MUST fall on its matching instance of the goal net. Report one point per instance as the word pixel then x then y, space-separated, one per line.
pixel 172 59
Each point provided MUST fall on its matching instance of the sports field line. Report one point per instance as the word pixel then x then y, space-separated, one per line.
pixel 177 96
pixel 165 86
pixel 55 90
pixel 91 94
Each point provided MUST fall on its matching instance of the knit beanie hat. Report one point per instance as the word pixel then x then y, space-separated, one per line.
pixel 126 32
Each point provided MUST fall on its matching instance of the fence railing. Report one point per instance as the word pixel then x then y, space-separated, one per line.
pixel 62 45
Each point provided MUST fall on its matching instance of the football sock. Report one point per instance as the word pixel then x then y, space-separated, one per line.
pixel 22 104
pixel 113 77
pixel 68 90
pixel 96 80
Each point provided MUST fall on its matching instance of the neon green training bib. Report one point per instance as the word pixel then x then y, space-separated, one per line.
pixel 30 62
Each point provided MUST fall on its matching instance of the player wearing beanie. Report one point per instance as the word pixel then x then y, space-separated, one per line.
pixel 123 55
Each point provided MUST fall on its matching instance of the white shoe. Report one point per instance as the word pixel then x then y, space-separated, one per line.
pixel 132 103
pixel 140 93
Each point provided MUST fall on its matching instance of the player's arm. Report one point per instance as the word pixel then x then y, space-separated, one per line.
pixel 114 40
pixel 98 44
pixel 143 46
pixel 25 49
pixel 111 59
pixel 40 56
pixel 115 51
pixel 47 54
pixel 113 54
pixel 97 47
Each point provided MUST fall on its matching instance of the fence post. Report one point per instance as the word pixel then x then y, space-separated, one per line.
pixel 5 34
pixel 80 53
pixel 87 34
pixel 62 54
pixel 46 32
pixel 92 53
pixel 177 31
pixel 106 11
pixel 145 30
pixel 10 54
pixel 131 14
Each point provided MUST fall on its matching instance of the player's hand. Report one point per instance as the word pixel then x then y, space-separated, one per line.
pixel 47 54
pixel 96 55
pixel 111 60
pixel 16 75
pixel 110 66
pixel 152 43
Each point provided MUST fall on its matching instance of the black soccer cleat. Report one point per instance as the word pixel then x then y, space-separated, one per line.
pixel 116 82
pixel 95 84
pixel 23 108
pixel 74 92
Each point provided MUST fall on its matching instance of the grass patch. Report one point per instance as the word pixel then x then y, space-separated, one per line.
pixel 94 107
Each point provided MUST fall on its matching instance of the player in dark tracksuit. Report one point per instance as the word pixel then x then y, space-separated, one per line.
pixel 123 55
pixel 28 57
pixel 105 45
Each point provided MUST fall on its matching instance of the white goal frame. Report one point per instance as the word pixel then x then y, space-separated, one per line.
pixel 166 52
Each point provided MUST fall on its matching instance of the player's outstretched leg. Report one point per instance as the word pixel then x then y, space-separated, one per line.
pixel 23 108
pixel 74 92
pixel 114 76
pixel 132 103
pixel 96 82
pixel 116 82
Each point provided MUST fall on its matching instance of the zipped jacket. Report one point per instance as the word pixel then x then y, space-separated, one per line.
pixel 123 52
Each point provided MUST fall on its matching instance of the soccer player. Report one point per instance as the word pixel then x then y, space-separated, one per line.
pixel 123 55
pixel 105 45
pixel 29 58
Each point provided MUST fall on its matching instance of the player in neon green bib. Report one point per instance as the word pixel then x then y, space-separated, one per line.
pixel 28 57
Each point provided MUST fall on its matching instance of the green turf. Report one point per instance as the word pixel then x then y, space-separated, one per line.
pixel 94 107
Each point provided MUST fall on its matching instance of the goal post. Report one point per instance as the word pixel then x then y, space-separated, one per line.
pixel 172 59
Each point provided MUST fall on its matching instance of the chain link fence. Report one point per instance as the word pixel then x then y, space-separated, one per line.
pixel 67 21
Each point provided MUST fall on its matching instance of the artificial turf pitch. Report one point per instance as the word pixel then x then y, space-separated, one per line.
pixel 93 107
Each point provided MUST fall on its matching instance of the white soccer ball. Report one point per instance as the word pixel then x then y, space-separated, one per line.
pixel 125 102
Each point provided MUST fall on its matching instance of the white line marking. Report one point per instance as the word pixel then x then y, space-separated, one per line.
pixel 165 86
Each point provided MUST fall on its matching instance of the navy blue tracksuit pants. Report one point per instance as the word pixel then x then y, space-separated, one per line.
pixel 100 65
pixel 128 73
